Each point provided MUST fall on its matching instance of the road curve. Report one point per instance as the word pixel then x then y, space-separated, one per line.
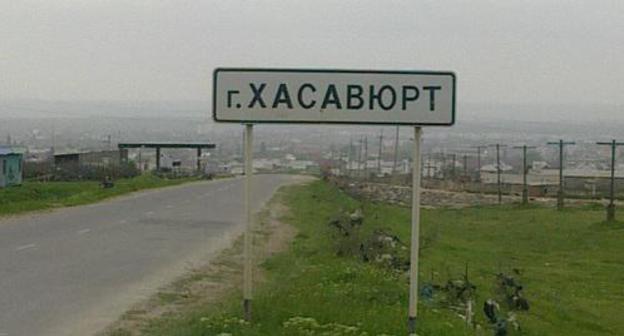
pixel 73 271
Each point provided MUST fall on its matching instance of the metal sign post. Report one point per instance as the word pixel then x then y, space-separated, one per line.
pixel 611 206
pixel 415 239
pixel 307 96
pixel 247 276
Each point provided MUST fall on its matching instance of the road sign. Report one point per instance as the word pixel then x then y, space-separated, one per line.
pixel 416 98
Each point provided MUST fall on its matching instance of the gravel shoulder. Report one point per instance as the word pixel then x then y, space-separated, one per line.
pixel 211 283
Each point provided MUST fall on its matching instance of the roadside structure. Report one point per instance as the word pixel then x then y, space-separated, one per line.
pixel 199 146
pixel 11 166
pixel 75 160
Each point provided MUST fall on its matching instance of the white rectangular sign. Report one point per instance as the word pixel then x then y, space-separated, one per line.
pixel 334 96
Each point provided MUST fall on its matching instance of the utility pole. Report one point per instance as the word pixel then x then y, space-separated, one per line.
pixel 454 156
pixel 498 173
pixel 350 157
pixel 341 162
pixel 465 165
pixel 359 159
pixel 366 158
pixel 560 194
pixel 345 158
pixel 479 161
pixel 331 156
pixel 611 206
pixel 140 159
pixel 444 166
pixel 396 152
pixel 380 152
pixel 53 138
pixel 525 171
pixel 429 165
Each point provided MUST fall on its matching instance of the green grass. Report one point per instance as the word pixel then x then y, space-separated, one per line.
pixel 45 195
pixel 572 268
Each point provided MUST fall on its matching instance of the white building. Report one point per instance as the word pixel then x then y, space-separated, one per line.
pixel 301 164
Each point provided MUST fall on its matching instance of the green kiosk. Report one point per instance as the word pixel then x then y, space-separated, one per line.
pixel 11 167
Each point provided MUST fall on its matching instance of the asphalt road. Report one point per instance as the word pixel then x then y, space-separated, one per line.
pixel 74 271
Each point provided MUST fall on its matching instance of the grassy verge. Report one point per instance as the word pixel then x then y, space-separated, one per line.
pixel 39 196
pixel 569 262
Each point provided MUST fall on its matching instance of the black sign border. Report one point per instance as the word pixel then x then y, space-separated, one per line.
pixel 305 70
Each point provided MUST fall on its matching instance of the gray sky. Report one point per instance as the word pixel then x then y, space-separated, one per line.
pixel 539 51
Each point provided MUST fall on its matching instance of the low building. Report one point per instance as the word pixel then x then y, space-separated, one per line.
pixel 267 164
pixel 301 165
pixel 232 167
pixel 492 168
pixel 73 161
pixel 11 166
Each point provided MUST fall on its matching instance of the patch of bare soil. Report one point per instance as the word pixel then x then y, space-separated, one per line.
pixel 210 283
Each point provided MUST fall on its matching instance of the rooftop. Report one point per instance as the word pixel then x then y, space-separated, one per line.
pixel 166 144
pixel 8 150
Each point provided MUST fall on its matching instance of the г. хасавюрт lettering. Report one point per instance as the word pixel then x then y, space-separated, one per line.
pixel 347 97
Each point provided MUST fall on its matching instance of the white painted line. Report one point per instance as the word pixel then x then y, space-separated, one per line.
pixel 123 221
pixel 24 247
pixel 83 231
pixel 169 206
pixel 149 213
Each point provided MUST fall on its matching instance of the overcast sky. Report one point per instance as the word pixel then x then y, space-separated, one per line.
pixel 512 51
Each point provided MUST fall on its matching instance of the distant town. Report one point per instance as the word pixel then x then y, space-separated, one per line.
pixel 65 147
